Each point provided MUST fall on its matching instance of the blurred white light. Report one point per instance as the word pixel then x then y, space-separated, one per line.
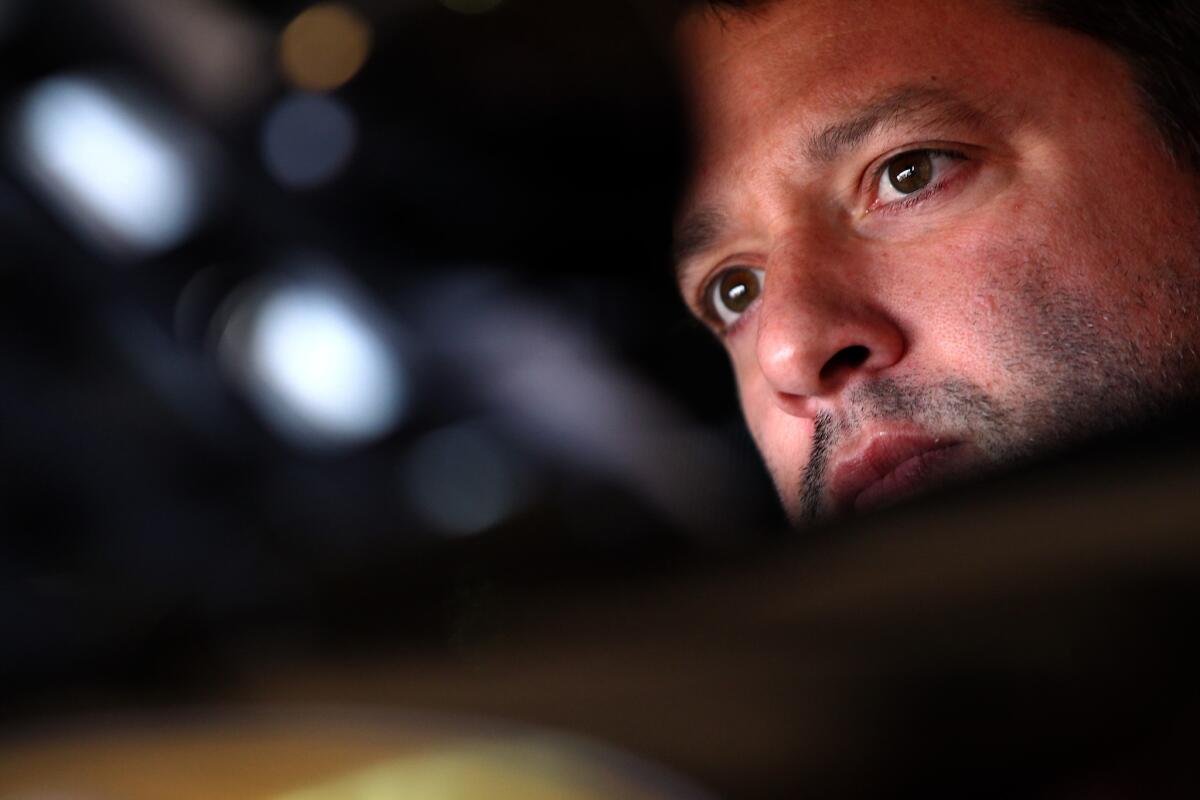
pixel 316 363
pixel 462 481
pixel 115 169
pixel 307 140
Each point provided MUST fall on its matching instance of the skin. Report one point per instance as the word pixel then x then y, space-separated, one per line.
pixel 1044 289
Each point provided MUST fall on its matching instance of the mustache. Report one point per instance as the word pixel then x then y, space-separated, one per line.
pixel 951 404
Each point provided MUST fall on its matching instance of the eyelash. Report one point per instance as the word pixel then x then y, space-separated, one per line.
pixel 917 197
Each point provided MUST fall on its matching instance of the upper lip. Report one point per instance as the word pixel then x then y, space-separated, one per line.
pixel 877 459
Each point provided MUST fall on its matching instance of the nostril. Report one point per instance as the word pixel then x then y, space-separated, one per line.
pixel 847 358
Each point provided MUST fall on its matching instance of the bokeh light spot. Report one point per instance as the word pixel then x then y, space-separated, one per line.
pixel 307 140
pixel 109 164
pixel 324 47
pixel 316 363
pixel 461 480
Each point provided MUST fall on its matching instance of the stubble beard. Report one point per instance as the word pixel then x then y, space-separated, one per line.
pixel 1079 373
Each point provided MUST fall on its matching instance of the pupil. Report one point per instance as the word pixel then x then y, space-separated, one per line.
pixel 911 172
pixel 738 290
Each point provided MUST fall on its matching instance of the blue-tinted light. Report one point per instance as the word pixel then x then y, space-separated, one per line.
pixel 108 165
pixel 316 363
pixel 307 140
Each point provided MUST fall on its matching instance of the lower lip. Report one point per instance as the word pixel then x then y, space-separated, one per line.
pixel 910 477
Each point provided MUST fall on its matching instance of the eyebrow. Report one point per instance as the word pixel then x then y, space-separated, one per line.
pixel 701 230
pixel 698 233
pixel 932 106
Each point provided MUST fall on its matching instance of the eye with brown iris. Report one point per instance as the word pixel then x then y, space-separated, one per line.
pixel 911 172
pixel 733 292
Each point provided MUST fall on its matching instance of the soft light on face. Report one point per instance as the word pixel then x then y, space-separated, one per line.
pixel 917 257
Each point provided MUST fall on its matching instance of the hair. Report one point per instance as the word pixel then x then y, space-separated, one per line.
pixel 1158 39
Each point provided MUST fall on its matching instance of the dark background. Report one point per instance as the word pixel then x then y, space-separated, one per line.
pixel 504 210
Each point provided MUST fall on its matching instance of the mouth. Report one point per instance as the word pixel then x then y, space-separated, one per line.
pixel 893 467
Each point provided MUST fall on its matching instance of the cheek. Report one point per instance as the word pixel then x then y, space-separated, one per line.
pixel 1104 203
pixel 758 407
pixel 785 443
pixel 946 293
pixel 784 440
pixel 971 300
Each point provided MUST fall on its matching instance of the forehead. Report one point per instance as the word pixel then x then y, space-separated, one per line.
pixel 825 52
pixel 756 79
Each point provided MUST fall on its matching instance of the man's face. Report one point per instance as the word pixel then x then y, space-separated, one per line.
pixel 934 238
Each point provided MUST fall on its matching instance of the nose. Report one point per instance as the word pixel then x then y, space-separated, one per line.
pixel 815 337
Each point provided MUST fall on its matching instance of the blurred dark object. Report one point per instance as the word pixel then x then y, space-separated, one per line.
pixel 1028 637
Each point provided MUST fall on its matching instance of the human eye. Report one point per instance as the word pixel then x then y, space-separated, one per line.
pixel 730 294
pixel 912 177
